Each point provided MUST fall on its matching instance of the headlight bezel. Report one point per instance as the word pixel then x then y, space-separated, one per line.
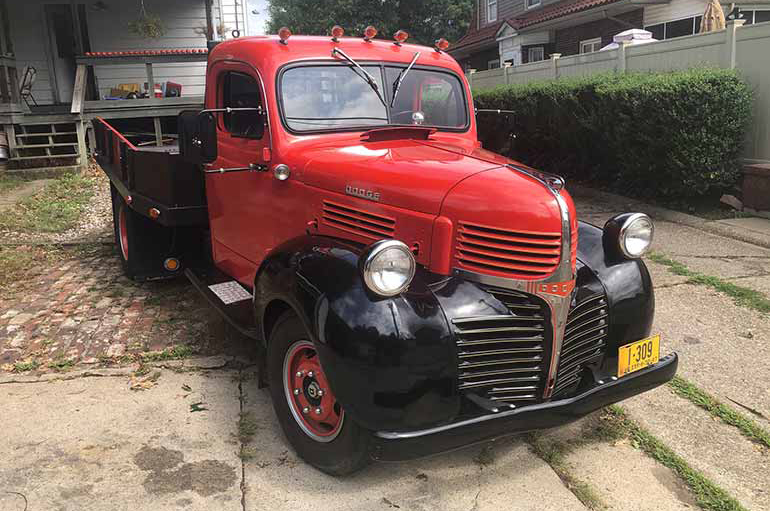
pixel 376 250
pixel 616 230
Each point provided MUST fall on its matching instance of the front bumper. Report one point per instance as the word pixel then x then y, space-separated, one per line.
pixel 398 446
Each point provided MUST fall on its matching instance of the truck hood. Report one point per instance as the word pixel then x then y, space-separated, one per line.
pixel 409 174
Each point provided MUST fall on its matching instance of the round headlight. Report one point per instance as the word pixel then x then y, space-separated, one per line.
pixel 388 267
pixel 636 235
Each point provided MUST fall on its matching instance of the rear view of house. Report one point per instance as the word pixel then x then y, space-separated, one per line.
pixel 523 31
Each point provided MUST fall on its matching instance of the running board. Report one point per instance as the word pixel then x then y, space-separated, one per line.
pixel 229 298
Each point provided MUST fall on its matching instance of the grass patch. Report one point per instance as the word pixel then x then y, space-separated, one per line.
pixel 25 366
pixel 61 364
pixel 743 296
pixel 745 425
pixel 8 183
pixel 554 453
pixel 247 427
pixel 56 208
pixel 18 262
pixel 707 494
pixel 173 353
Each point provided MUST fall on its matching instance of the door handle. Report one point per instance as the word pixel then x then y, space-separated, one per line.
pixel 253 167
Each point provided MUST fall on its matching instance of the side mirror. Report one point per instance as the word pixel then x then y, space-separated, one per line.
pixel 197 136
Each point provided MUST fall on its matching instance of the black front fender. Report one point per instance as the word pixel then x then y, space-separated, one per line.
pixel 389 361
pixel 627 282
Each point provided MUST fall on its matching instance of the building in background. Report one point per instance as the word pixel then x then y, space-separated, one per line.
pixel 522 31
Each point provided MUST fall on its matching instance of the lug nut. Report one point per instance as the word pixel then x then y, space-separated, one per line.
pixel 320 392
pixel 300 373
pixel 296 392
pixel 310 374
pixel 318 411
pixel 305 410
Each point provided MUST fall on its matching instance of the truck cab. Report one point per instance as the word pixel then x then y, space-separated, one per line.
pixel 410 291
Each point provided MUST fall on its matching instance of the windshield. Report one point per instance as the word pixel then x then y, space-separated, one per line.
pixel 322 97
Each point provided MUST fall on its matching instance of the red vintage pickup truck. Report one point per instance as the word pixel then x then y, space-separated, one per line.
pixel 409 291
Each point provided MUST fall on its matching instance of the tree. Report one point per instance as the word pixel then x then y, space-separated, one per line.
pixel 425 20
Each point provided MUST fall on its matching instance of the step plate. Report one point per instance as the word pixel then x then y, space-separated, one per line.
pixel 230 292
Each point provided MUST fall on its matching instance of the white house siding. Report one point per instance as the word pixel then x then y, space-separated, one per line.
pixel 30 44
pixel 184 22
pixel 676 9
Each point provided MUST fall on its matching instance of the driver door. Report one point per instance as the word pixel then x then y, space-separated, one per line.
pixel 237 200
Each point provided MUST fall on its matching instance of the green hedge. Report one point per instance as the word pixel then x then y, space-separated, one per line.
pixel 668 135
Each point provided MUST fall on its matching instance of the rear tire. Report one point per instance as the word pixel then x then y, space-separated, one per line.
pixel 315 425
pixel 123 223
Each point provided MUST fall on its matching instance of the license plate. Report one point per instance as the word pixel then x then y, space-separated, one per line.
pixel 638 355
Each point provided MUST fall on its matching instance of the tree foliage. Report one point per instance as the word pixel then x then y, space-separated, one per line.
pixel 425 20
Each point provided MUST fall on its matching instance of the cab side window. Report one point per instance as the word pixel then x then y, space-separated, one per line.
pixel 240 90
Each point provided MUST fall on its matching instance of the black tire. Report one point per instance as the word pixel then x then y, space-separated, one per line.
pixel 348 451
pixel 121 219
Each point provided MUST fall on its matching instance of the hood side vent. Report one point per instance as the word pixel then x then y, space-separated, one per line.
pixel 511 254
pixel 357 221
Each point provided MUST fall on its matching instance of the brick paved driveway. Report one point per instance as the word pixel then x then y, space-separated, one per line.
pixel 82 310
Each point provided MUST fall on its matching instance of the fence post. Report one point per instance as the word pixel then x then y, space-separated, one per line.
pixel 507 69
pixel 730 47
pixel 622 45
pixel 555 64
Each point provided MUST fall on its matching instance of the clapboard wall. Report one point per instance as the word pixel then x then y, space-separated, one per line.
pixel 184 22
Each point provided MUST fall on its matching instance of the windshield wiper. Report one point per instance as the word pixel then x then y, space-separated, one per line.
pixel 366 76
pixel 401 76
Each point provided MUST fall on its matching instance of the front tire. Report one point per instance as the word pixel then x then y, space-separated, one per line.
pixel 312 420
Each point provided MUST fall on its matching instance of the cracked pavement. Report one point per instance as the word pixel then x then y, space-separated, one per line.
pixel 82 439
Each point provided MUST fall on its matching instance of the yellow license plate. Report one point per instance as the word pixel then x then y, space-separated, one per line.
pixel 638 355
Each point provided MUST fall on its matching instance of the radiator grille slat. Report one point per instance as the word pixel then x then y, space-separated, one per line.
pixel 511 253
pixel 584 341
pixel 501 357
pixel 357 221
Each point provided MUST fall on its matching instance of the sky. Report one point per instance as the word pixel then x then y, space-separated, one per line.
pixel 257 21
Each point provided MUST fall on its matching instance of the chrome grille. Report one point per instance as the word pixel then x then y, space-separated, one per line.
pixel 584 340
pixel 504 357
pixel 509 253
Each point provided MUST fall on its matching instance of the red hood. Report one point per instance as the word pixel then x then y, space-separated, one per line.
pixel 409 174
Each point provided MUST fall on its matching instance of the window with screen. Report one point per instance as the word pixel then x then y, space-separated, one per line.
pixel 533 3
pixel 591 45
pixel 536 54
pixel 491 10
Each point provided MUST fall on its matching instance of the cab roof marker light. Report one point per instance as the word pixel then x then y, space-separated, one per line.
pixel 284 34
pixel 400 37
pixel 441 44
pixel 370 33
pixel 337 32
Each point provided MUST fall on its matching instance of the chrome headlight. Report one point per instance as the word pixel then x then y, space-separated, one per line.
pixel 388 267
pixel 629 235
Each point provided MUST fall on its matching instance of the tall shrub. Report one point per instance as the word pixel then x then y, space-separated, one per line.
pixel 671 135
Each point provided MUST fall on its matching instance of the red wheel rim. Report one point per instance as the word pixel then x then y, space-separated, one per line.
pixel 310 399
pixel 123 232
